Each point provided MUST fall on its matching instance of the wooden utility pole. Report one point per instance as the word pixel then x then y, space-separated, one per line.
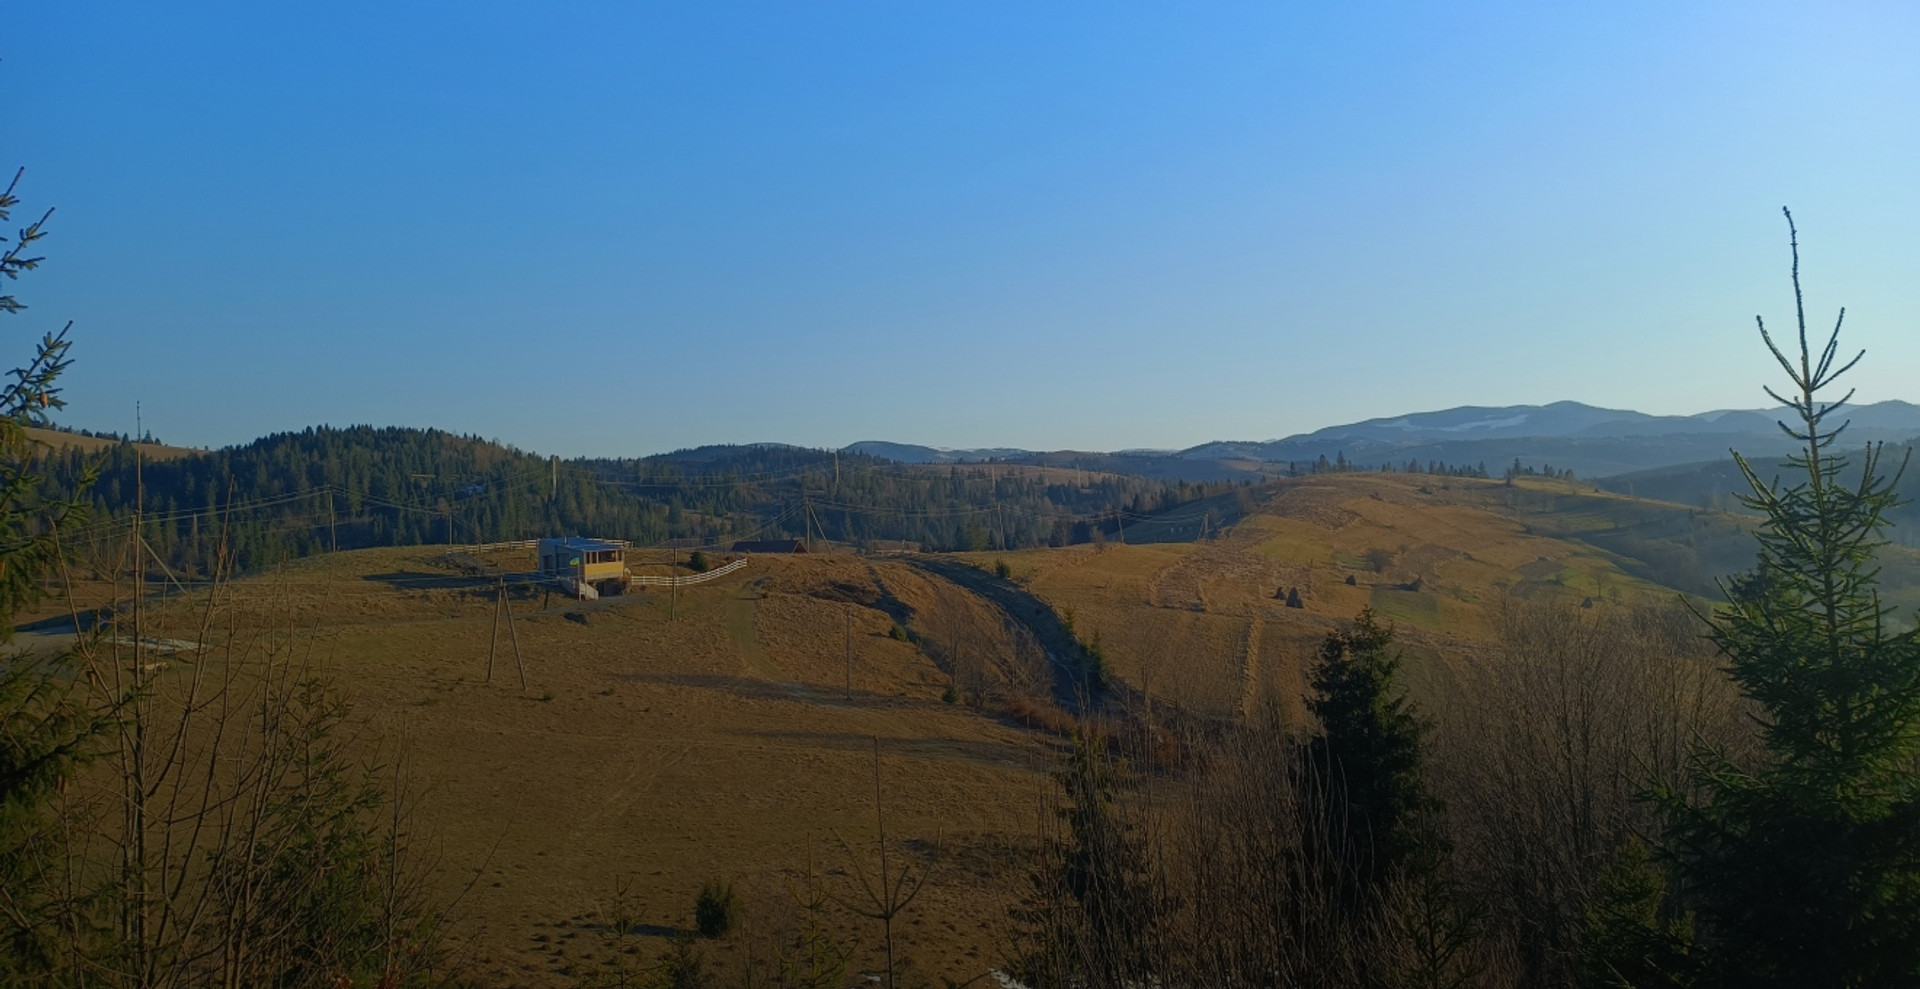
pixel 507 606
pixel 139 537
pixel 493 643
pixel 333 530
pixel 849 652
pixel 553 487
pixel 139 531
pixel 135 815
pixel 139 534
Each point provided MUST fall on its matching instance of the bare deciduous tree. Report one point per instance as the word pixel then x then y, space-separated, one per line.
pixel 1543 753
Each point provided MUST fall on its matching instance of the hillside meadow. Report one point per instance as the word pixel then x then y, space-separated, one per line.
pixel 1205 623
pixel 728 731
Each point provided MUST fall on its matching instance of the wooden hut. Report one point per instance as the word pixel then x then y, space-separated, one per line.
pixel 586 567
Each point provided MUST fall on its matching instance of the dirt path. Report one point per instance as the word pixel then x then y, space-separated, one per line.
pixel 742 610
pixel 1062 648
pixel 742 623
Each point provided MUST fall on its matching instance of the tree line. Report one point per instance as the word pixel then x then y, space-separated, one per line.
pixel 1341 465
pixel 297 493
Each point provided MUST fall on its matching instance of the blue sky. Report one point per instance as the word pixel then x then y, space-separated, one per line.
pixel 625 228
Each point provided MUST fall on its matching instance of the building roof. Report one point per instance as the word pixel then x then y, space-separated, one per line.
pixel 581 544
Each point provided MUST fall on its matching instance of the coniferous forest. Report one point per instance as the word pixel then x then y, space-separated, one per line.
pixel 293 494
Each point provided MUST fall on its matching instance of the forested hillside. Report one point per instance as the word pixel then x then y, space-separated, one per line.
pixel 1717 485
pixel 292 494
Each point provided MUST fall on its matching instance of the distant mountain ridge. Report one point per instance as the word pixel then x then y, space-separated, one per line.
pixel 1563 419
pixel 909 453
pixel 1589 440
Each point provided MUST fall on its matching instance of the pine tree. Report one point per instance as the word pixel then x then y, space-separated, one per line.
pixel 45 724
pixel 1367 754
pixel 1091 908
pixel 27 544
pixel 1805 868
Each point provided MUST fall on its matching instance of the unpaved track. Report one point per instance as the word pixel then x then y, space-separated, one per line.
pixel 1022 606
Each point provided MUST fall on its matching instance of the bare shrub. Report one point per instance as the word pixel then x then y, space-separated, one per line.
pixel 232 829
pixel 1233 866
pixel 1226 875
pixel 882 894
pixel 1029 673
pixel 807 951
pixel 1543 754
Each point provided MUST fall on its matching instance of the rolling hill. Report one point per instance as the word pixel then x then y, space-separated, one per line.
pixel 295 494
pixel 1591 441
pixel 730 730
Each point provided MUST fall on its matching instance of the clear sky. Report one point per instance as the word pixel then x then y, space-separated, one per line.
pixel 623 228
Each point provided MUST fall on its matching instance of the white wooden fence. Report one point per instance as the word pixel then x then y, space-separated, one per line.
pixel 698 578
pixel 515 544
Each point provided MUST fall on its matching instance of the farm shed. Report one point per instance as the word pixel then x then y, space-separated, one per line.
pixel 599 564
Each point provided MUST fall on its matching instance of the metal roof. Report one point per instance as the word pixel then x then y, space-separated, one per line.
pixel 581 544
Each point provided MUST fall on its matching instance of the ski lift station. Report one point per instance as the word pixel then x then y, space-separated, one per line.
pixel 585 567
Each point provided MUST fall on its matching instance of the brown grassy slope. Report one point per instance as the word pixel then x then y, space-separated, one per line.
pixel 154 451
pixel 721 743
pixel 717 745
pixel 1203 624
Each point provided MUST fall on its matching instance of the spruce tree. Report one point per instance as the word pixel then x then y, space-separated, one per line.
pixel 45 725
pixel 1804 868
pixel 28 548
pixel 1368 755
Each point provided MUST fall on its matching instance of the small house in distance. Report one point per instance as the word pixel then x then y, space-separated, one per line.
pixel 587 567
pixel 769 546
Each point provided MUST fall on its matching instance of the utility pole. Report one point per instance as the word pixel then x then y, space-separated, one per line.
pixel 136 814
pixel 507 606
pixel 139 535
pixel 493 644
pixel 553 489
pixel 849 652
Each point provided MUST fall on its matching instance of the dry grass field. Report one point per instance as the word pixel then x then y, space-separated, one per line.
pixel 728 731
pixel 656 754
pixel 1205 624
pixel 154 451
